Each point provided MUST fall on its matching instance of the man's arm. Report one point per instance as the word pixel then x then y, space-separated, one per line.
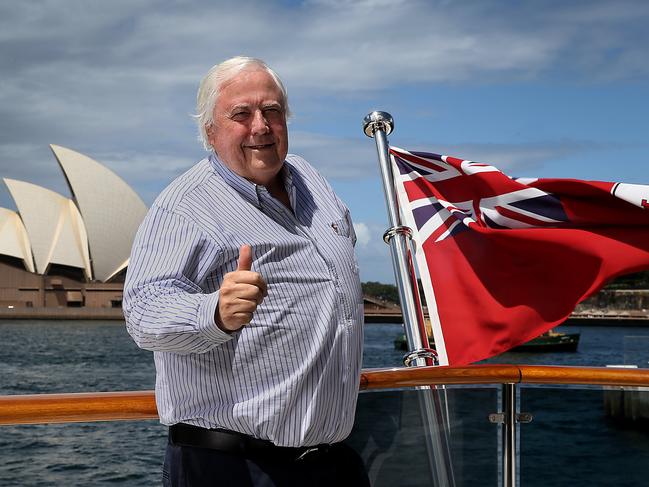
pixel 165 307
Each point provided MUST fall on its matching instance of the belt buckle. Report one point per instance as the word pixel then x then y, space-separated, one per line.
pixel 313 449
pixel 307 452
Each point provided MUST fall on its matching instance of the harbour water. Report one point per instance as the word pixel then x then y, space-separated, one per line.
pixel 76 356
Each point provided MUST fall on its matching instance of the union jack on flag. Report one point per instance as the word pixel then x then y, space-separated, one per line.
pixel 503 259
pixel 503 204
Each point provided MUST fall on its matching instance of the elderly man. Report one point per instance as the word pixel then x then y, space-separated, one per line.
pixel 244 283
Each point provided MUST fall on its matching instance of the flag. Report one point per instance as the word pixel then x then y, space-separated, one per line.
pixel 503 260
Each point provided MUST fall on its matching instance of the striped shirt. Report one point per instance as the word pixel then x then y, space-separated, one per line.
pixel 290 376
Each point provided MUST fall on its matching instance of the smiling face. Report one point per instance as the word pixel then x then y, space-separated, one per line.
pixel 249 131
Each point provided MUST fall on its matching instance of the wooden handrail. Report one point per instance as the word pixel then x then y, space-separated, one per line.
pixel 596 376
pixel 77 407
pixel 423 376
pixel 503 374
pixel 138 405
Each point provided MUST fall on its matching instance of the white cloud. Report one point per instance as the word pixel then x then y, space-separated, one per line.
pixel 514 157
pixel 354 158
pixel 355 46
pixel 128 71
pixel 325 45
pixel 372 253
pixel 362 234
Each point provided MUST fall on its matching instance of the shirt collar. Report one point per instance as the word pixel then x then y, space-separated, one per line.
pixel 247 189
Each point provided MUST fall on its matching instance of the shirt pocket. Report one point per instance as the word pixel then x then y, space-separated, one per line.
pixel 344 228
pixel 341 227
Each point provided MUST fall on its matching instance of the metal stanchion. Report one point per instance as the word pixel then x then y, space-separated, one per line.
pixel 509 435
pixel 509 419
pixel 379 125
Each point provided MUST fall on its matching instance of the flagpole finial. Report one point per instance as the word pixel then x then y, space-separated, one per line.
pixel 378 121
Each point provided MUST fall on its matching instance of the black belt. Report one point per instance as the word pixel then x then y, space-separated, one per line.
pixel 233 442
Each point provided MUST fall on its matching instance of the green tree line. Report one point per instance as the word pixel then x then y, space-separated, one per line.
pixel 378 290
pixel 389 292
pixel 638 280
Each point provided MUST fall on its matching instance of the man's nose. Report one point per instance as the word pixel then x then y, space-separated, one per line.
pixel 259 123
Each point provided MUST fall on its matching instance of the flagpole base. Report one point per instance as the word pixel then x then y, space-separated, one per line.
pixel 410 359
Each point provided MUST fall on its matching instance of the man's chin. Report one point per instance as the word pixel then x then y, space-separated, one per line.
pixel 267 163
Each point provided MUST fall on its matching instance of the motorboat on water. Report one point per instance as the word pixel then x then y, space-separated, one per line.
pixel 550 341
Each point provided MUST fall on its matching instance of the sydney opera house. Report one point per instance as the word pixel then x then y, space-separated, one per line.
pixel 60 252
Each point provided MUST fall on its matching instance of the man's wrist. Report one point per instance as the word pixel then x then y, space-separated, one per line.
pixel 219 323
pixel 207 319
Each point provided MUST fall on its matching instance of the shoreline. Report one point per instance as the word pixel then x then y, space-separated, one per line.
pixel 620 318
pixel 577 319
pixel 50 313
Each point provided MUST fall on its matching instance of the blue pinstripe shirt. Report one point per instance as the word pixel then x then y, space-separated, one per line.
pixel 290 376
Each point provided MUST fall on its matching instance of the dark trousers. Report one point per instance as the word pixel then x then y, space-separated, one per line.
pixel 331 466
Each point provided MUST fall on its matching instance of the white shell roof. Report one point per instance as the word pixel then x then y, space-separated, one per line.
pixel 13 238
pixel 54 226
pixel 111 210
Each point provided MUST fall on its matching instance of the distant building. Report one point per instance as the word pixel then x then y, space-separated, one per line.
pixel 62 252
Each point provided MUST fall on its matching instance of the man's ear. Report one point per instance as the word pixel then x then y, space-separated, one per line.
pixel 210 132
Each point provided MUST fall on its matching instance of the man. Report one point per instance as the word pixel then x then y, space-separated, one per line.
pixel 243 282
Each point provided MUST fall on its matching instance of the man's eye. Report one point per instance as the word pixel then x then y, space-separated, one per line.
pixel 272 111
pixel 239 116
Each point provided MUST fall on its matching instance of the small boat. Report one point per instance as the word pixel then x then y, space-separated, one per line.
pixel 550 341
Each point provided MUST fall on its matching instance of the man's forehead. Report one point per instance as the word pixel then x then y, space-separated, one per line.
pixel 248 84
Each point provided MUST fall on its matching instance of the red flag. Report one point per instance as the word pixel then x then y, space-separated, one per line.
pixel 503 260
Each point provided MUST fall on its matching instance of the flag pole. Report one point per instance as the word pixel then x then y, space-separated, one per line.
pixel 399 237
pixel 379 125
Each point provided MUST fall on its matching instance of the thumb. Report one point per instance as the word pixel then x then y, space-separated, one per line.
pixel 245 258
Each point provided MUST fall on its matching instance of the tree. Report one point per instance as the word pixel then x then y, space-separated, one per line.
pixel 638 280
pixel 387 292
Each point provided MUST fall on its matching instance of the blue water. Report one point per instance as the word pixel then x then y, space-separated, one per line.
pixel 75 356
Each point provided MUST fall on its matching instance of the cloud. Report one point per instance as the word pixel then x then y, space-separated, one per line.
pixel 355 158
pixel 372 253
pixel 126 72
pixel 516 157
pixel 129 68
pixel 423 42
pixel 362 234
pixel 324 45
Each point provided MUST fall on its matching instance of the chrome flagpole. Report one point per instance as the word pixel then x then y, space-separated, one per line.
pixel 379 125
pixel 399 237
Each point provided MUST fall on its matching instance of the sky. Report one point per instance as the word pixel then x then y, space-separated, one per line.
pixel 538 88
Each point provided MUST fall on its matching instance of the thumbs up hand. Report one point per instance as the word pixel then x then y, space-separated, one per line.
pixel 240 294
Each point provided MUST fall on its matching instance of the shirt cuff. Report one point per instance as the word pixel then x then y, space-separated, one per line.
pixel 206 324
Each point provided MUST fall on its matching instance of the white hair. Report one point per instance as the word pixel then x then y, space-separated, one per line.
pixel 210 89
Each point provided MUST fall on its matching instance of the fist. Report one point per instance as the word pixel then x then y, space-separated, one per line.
pixel 240 294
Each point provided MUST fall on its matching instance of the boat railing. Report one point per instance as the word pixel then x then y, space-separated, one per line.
pixel 484 411
pixel 140 405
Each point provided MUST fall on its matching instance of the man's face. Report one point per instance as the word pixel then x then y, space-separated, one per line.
pixel 249 133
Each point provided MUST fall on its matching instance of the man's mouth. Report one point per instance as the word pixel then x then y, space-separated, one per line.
pixel 260 146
